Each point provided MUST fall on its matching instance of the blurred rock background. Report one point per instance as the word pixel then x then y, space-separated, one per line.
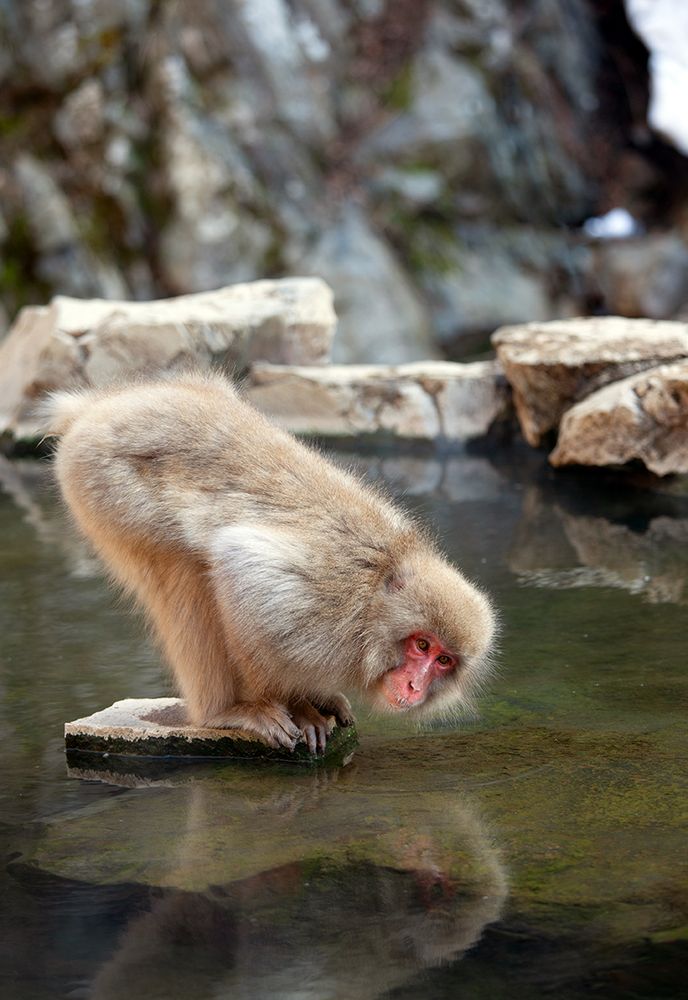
pixel 438 163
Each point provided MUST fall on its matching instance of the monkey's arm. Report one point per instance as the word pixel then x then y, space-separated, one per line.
pixel 263 590
pixel 265 586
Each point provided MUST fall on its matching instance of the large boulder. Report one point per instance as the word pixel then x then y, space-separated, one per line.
pixel 643 417
pixel 75 342
pixel 425 400
pixel 552 366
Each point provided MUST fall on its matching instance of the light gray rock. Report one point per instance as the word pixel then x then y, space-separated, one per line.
pixel 80 120
pixel 417 188
pixel 425 400
pixel 64 262
pixel 213 235
pixel 477 290
pixel 553 365
pixel 645 276
pixel 450 112
pixel 643 417
pixel 290 54
pixel 48 211
pixel 75 342
pixel 381 316
pixel 663 27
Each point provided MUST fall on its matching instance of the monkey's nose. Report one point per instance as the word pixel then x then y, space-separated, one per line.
pixel 414 692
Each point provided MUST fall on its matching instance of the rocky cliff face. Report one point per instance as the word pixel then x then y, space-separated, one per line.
pixel 433 161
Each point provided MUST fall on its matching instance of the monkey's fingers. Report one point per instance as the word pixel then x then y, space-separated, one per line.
pixel 283 729
pixel 315 735
pixel 340 707
pixel 315 728
pixel 269 720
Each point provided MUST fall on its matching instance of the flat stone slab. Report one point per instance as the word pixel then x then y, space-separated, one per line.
pixel 157 727
pixel 422 400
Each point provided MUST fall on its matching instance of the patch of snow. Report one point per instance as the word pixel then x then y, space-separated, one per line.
pixel 617 224
pixel 663 27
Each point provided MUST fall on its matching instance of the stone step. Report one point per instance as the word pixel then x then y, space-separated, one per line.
pixel 157 727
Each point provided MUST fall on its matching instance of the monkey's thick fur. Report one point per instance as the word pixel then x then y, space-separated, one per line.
pixel 272 579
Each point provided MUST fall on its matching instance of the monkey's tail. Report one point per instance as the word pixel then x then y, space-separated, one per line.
pixel 60 409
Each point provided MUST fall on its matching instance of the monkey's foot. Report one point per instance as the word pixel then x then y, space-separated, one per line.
pixel 315 728
pixel 340 707
pixel 268 719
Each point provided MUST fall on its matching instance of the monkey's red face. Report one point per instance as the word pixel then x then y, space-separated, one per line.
pixel 425 659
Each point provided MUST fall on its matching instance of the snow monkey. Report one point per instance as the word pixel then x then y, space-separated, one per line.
pixel 273 579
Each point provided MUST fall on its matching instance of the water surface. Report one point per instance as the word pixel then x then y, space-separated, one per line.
pixel 538 848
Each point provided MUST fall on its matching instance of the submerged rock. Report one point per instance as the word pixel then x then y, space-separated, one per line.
pixel 643 417
pixel 426 400
pixel 74 342
pixel 553 365
pixel 157 727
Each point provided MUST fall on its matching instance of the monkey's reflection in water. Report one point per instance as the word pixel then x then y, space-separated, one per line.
pixel 356 924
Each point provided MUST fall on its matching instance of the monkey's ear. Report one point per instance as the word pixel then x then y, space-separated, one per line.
pixel 395 582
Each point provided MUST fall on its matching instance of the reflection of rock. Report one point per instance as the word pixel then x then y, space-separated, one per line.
pixel 74 342
pixel 539 541
pixel 552 365
pixel 30 485
pixel 560 550
pixel 458 478
pixel 26 483
pixel 309 929
pixel 273 881
pixel 423 400
pixel 642 417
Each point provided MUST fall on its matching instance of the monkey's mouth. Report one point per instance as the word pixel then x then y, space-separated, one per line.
pixel 400 704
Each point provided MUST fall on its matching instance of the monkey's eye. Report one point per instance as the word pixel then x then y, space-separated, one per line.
pixel 444 660
pixel 423 645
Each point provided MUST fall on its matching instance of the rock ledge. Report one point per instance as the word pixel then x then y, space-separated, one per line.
pixel 424 400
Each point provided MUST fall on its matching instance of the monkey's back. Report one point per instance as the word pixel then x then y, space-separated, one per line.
pixel 176 458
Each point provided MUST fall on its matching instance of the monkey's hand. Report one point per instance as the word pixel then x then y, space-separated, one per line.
pixel 267 719
pixel 315 728
pixel 340 707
